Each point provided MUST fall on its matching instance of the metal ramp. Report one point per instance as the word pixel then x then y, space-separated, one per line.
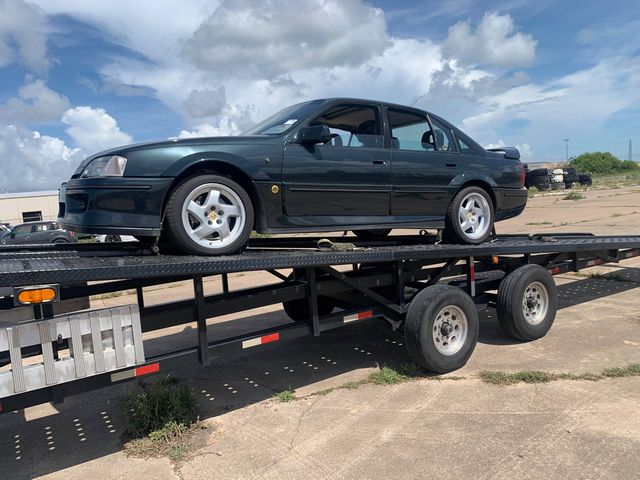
pixel 99 341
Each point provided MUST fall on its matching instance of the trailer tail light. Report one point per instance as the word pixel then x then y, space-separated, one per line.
pixel 523 175
pixel 35 295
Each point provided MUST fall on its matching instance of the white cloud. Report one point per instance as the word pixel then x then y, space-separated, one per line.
pixel 22 35
pixel 36 103
pixel 279 36
pixel 31 161
pixel 224 128
pixel 205 103
pixel 93 129
pixel 494 42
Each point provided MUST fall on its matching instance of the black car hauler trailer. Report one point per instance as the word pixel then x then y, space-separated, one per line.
pixel 432 292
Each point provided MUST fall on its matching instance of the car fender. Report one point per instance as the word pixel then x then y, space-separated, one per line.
pixel 249 166
pixel 469 177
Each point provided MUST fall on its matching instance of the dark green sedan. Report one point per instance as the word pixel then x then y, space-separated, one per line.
pixel 322 165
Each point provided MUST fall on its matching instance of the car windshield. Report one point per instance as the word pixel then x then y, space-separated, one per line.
pixel 285 119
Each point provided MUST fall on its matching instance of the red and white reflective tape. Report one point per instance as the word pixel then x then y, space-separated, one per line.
pixel 272 337
pixel 136 372
pixel 555 270
pixel 358 316
pixel 595 261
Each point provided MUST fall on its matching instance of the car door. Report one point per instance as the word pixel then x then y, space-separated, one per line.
pixel 424 162
pixel 348 176
pixel 20 234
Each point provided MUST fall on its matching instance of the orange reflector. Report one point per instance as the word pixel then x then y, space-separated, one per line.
pixel 495 259
pixel 39 295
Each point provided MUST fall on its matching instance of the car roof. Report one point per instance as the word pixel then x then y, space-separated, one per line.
pixel 366 100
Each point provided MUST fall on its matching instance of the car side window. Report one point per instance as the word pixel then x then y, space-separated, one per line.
pixel 410 131
pixel 351 125
pixel 22 230
pixel 463 147
pixel 445 141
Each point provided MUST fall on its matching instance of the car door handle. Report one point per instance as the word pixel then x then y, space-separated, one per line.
pixel 379 162
pixel 453 165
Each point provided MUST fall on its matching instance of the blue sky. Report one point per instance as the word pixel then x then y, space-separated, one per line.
pixel 78 77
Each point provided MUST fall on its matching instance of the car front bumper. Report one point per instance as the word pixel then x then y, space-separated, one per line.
pixel 113 205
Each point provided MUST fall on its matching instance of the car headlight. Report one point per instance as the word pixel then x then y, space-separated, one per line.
pixel 109 166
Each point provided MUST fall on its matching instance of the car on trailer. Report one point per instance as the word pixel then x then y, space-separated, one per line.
pixel 322 165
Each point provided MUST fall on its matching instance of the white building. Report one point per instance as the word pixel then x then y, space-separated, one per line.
pixel 28 206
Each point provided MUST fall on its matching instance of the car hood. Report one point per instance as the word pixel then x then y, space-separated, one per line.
pixel 177 142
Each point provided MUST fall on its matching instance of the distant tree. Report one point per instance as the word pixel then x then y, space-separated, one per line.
pixel 602 163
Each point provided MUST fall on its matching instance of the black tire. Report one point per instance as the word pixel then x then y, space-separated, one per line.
pixel 453 232
pixel 512 293
pixel 298 310
pixel 60 240
pixel 373 234
pixel 585 179
pixel 539 172
pixel 174 233
pixel 420 324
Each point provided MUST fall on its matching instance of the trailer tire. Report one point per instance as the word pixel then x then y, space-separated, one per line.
pixel 527 302
pixel 441 328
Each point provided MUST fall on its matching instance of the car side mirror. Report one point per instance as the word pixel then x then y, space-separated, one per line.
pixel 314 134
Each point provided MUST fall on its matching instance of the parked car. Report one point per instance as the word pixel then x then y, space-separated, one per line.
pixel 37 232
pixel 321 165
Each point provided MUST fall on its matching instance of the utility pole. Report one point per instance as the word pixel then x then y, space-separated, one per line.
pixel 630 151
pixel 566 148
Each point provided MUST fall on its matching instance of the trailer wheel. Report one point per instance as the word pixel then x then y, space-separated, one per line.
pixel 527 302
pixel 441 328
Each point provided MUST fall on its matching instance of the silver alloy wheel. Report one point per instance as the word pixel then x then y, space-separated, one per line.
pixel 535 303
pixel 450 330
pixel 213 215
pixel 474 215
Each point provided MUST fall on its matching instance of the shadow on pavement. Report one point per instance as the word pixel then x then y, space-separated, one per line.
pixel 47 439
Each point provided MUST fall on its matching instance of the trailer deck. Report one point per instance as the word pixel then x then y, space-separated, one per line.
pixel 326 289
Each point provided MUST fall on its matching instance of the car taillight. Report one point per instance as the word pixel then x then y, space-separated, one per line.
pixel 522 175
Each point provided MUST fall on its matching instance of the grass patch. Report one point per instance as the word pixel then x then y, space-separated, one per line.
pixel 507 378
pixel 160 419
pixel 120 293
pixel 615 277
pixel 573 195
pixel 286 396
pixel 532 191
pixel 540 223
pixel 391 375
pixel 536 376
pixel 632 370
pixel 260 235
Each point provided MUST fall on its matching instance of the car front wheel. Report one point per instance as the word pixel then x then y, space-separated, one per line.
pixel 470 216
pixel 208 215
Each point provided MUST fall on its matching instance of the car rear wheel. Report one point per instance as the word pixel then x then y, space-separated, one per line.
pixel 373 234
pixel 60 240
pixel 208 215
pixel 469 217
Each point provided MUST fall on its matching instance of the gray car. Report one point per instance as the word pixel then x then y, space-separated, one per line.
pixel 37 232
